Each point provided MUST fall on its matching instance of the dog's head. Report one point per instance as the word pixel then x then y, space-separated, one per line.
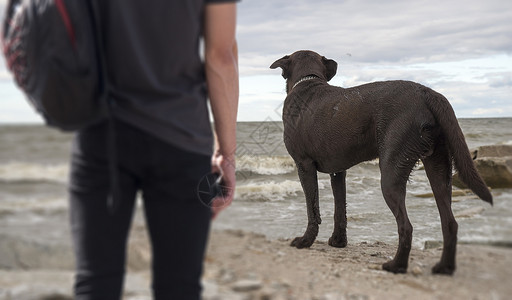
pixel 305 63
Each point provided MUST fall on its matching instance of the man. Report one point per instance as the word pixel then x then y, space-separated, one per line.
pixel 164 142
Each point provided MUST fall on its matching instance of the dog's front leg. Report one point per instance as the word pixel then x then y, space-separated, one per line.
pixel 308 179
pixel 339 234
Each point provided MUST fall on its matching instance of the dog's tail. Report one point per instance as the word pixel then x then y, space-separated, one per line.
pixel 445 116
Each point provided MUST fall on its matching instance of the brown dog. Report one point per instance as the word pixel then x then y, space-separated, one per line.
pixel 329 129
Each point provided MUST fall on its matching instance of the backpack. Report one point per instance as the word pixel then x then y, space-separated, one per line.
pixel 52 47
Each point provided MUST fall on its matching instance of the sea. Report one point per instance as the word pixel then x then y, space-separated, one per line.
pixel 269 199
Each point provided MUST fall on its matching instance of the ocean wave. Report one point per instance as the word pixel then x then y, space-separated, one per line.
pixel 266 165
pixel 271 190
pixel 268 191
pixel 32 172
pixel 47 205
pixel 279 165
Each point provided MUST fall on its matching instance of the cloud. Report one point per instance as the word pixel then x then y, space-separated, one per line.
pixel 487 111
pixel 500 80
pixel 462 49
pixel 377 31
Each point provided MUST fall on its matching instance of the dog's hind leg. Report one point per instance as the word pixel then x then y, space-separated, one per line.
pixel 393 184
pixel 339 234
pixel 308 178
pixel 438 167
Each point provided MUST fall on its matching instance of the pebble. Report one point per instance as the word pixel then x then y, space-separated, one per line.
pixel 377 267
pixel 416 271
pixel 227 276
pixel 332 296
pixel 247 285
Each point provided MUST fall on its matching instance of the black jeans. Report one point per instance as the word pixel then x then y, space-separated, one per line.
pixel 178 223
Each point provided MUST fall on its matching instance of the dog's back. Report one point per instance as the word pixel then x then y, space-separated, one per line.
pixel 340 127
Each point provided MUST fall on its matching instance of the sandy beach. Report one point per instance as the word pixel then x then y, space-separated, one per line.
pixel 242 265
pixel 323 272
pixel 256 261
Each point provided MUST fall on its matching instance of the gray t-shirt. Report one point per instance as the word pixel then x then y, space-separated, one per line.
pixel 155 71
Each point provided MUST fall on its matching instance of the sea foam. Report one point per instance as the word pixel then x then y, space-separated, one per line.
pixel 271 190
pixel 31 172
pixel 265 165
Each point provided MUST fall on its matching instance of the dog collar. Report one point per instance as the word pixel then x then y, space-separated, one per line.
pixel 305 78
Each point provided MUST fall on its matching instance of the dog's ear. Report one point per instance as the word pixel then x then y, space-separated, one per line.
pixel 282 63
pixel 330 68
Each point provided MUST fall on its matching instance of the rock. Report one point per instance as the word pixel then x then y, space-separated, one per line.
pixel 496 172
pixel 377 267
pixel 416 271
pixel 492 151
pixel 494 163
pixel 459 193
pixel 247 285
pixel 455 193
pixel 425 195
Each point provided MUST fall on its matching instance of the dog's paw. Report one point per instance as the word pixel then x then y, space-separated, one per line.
pixel 392 267
pixel 301 242
pixel 338 242
pixel 443 269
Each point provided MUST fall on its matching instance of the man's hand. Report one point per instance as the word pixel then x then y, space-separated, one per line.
pixel 225 166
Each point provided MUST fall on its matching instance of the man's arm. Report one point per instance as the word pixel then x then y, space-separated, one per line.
pixel 221 63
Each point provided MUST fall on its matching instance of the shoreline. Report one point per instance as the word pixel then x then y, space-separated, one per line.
pixel 354 272
pixel 245 265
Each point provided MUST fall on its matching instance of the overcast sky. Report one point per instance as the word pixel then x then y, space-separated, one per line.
pixel 462 49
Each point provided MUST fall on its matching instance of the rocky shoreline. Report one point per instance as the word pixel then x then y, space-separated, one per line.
pixel 494 163
pixel 241 265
